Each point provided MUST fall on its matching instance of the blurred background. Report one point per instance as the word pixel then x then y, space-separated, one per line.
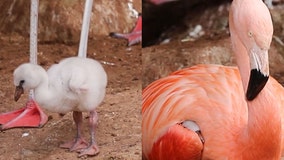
pixel 60 21
pixel 183 33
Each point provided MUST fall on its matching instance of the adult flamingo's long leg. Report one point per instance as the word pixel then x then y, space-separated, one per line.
pixel 31 115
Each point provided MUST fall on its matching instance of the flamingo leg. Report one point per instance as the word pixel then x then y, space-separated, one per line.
pixel 79 142
pixel 93 148
pixel 29 116
pixel 133 37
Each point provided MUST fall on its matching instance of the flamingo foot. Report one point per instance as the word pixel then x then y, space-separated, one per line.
pixel 92 150
pixel 76 145
pixel 134 37
pixel 29 116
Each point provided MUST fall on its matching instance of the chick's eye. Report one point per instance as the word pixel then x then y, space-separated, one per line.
pixel 22 82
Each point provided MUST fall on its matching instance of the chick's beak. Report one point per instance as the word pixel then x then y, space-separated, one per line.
pixel 18 92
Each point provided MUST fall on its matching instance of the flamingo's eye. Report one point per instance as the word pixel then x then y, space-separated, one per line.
pixel 250 34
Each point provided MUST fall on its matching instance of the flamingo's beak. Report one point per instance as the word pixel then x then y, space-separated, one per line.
pixel 259 73
pixel 18 92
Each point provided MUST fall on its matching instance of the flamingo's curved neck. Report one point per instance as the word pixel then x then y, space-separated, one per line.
pixel 238 47
pixel 263 129
pixel 242 60
pixel 260 136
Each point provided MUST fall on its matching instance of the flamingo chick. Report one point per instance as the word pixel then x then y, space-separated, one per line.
pixel 75 84
pixel 219 112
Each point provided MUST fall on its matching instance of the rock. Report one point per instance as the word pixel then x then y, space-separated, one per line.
pixel 26 152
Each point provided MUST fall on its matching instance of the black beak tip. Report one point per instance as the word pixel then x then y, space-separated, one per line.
pixel 257 82
pixel 16 99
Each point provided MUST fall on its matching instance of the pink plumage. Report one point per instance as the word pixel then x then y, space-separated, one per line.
pixel 214 97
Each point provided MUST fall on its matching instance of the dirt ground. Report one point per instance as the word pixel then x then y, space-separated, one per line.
pixel 118 131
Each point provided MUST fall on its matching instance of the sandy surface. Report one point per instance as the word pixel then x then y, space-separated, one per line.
pixel 118 132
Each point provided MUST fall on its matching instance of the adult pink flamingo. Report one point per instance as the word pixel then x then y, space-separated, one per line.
pixel 219 112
